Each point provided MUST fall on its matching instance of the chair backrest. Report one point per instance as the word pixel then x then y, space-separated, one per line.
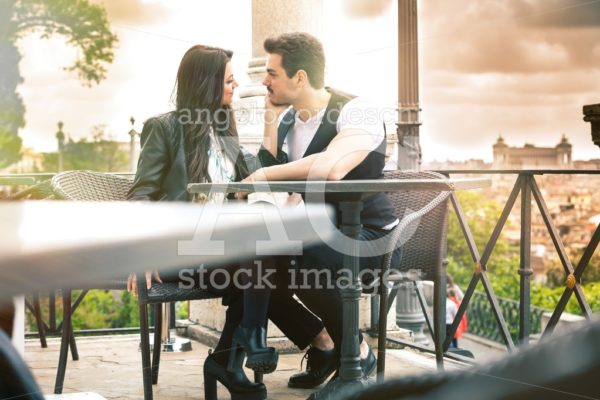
pixel 90 186
pixel 426 246
pixel 39 191
pixel 99 186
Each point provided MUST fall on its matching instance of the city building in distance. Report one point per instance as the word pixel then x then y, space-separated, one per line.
pixel 532 157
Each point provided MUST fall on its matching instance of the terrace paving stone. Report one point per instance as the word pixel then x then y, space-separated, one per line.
pixel 111 367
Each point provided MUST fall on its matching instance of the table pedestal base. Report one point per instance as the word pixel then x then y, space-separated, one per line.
pixel 172 345
pixel 339 389
pixel 176 345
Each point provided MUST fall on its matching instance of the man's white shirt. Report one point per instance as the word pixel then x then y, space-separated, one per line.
pixel 358 113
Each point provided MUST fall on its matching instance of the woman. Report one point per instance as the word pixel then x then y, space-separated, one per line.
pixel 198 142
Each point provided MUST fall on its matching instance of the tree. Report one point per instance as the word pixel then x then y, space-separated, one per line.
pixel 84 25
pixel 482 215
pixel 503 266
pixel 556 274
pixel 98 154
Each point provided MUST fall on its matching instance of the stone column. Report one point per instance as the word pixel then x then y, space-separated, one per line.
pixel 409 149
pixel 270 18
pixel 408 312
pixel 273 17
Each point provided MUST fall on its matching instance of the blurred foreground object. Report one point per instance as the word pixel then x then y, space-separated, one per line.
pixel 563 367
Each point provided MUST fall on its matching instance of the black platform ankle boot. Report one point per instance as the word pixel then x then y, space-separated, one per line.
pixel 260 358
pixel 236 381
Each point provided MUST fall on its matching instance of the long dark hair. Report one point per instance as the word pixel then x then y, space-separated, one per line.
pixel 199 92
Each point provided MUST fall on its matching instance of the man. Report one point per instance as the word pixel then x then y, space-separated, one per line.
pixel 330 136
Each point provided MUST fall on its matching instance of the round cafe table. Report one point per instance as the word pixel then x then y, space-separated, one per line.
pixel 351 194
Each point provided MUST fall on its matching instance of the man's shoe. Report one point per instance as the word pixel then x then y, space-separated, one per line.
pixel 319 365
pixel 369 364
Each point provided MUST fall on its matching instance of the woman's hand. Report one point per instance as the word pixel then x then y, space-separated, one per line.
pixel 132 281
pixel 272 114
pixel 293 200
pixel 258 175
pixel 273 111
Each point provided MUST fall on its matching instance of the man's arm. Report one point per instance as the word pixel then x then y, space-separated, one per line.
pixel 348 149
pixel 360 131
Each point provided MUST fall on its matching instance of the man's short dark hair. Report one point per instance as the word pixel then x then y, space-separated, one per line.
pixel 300 51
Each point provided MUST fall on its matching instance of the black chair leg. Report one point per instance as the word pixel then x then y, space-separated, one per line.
pixel 382 330
pixel 258 377
pixel 64 343
pixel 73 345
pixel 51 311
pixel 37 312
pixel 145 344
pixel 158 317
pixel 439 315
pixel 385 303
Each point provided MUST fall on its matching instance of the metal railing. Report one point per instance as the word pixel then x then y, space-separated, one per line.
pixel 526 189
pixel 482 323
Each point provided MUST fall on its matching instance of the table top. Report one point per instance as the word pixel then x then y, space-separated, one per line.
pixel 374 185
pixel 48 244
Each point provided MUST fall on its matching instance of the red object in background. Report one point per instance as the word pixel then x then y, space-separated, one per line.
pixel 462 327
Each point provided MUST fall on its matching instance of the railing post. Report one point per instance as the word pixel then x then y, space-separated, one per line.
pixel 525 260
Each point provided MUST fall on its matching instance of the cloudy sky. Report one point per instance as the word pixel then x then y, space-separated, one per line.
pixel 519 68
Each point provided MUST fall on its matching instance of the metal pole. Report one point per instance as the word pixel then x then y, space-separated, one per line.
pixel 351 377
pixel 525 263
pixel 171 343
pixel 409 148
pixel 350 361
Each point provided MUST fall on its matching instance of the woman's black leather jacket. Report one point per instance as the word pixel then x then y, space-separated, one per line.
pixel 161 172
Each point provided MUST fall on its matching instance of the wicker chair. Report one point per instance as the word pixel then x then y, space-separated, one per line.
pixel 422 235
pixel 95 186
